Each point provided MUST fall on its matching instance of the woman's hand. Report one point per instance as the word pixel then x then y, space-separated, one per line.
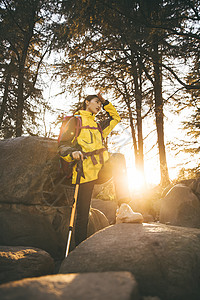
pixel 101 98
pixel 77 155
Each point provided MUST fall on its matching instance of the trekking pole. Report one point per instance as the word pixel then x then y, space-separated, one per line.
pixel 79 170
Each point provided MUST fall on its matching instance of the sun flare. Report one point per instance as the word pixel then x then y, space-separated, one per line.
pixel 136 180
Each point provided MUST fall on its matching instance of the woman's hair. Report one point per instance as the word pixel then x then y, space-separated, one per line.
pixel 88 98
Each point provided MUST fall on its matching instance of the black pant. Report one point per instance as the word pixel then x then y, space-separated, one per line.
pixel 83 208
pixel 114 168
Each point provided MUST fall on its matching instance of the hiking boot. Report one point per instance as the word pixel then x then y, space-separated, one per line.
pixel 125 214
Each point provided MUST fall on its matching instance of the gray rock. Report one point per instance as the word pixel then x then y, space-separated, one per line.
pixel 27 165
pixel 20 262
pixel 107 207
pixel 180 207
pixel 91 286
pixel 97 221
pixel 35 226
pixel 165 260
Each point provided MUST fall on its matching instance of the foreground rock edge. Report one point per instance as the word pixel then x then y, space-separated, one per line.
pixel 88 286
pixel 22 262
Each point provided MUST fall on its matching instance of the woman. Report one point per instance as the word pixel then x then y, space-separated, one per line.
pixel 98 166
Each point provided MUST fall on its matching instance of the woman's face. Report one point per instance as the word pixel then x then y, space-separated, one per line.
pixel 94 105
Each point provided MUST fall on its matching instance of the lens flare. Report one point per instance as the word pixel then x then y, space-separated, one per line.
pixel 136 180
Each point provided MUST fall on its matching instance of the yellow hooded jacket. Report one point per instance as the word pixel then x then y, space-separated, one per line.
pixel 90 140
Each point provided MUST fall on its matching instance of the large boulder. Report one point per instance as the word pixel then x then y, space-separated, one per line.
pixel 35 197
pixel 21 262
pixel 165 260
pixel 98 286
pixel 108 208
pixel 180 207
pixel 28 164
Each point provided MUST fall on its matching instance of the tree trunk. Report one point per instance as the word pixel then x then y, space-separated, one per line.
pixel 21 70
pixel 159 116
pixel 5 97
pixel 133 134
pixel 138 100
pixel 20 103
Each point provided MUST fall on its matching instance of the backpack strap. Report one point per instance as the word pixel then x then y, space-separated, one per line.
pixel 78 126
pixel 65 167
pixel 64 126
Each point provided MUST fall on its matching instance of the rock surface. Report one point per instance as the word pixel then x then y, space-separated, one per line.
pixel 108 208
pixel 27 165
pixel 20 262
pixel 91 286
pixel 180 207
pixel 97 221
pixel 165 260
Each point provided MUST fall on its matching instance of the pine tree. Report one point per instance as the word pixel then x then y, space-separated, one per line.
pixel 25 38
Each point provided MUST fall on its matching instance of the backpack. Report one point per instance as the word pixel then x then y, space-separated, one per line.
pixel 65 123
pixel 66 168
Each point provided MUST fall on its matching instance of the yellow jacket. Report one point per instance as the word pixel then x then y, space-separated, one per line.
pixel 89 140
